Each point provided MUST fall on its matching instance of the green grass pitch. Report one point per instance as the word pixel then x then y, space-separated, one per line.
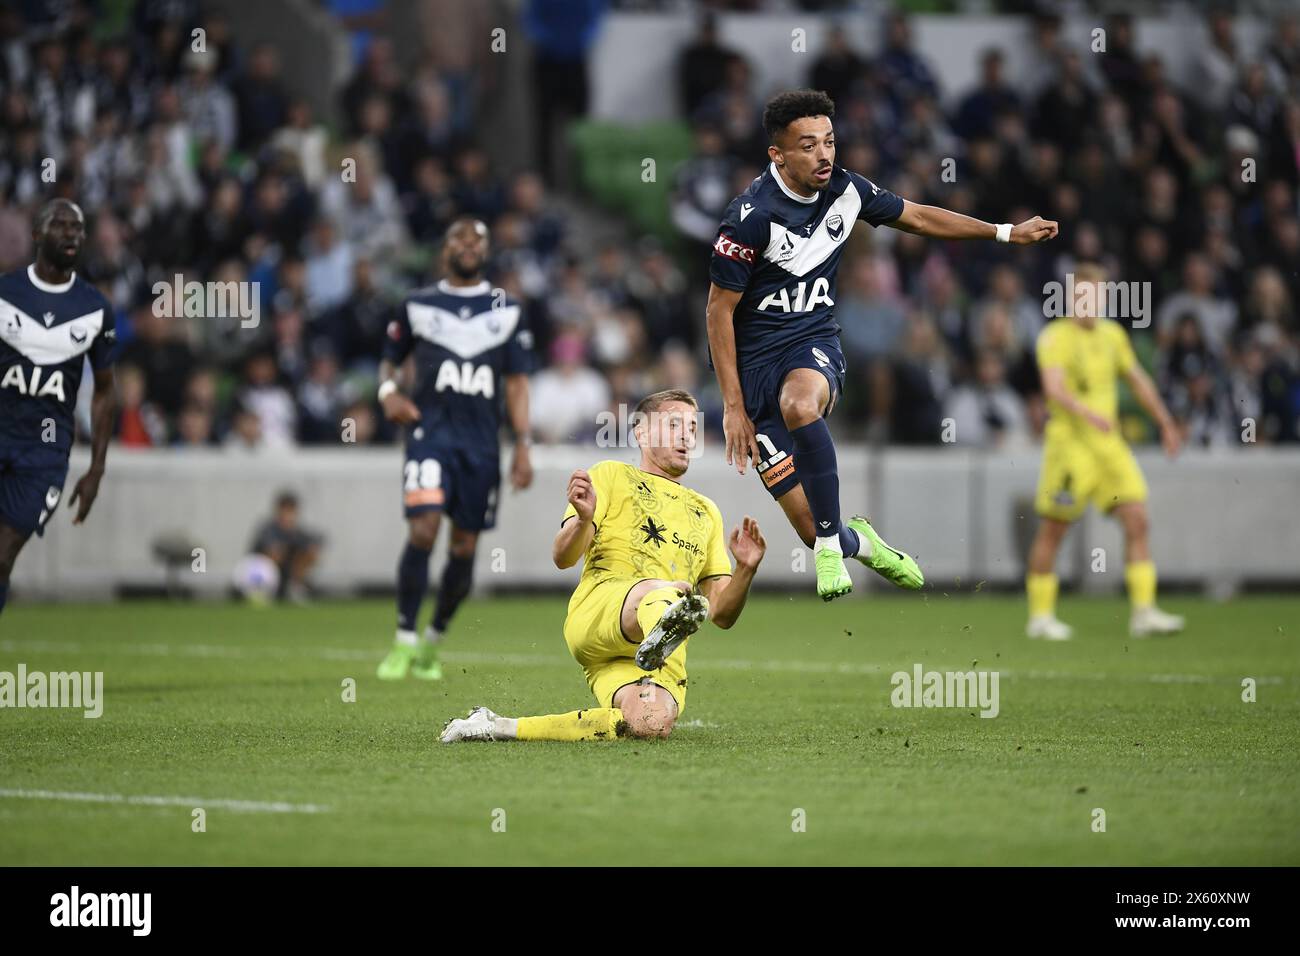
pixel 789 711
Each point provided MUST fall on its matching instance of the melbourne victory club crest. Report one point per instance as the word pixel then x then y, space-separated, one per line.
pixel 822 358
pixel 835 227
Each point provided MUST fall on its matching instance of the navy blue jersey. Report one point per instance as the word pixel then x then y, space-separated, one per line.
pixel 46 333
pixel 782 251
pixel 465 341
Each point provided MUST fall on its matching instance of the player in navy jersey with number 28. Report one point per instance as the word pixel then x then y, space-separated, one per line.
pixel 472 355
pixel 773 341
pixel 50 323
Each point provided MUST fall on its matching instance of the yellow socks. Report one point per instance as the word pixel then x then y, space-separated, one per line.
pixel 1041 591
pixel 1140 576
pixel 594 723
pixel 652 607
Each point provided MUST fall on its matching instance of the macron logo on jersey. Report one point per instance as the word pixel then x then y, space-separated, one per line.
pixel 745 210
pixel 731 249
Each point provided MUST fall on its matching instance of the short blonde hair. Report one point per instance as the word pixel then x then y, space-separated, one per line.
pixel 653 402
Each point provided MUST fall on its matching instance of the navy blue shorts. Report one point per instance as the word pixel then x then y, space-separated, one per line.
pixel 762 390
pixel 462 483
pixel 29 492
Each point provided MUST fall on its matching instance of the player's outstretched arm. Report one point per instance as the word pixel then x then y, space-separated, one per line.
pixel 574 537
pixel 936 222
pixel 727 593
pixel 1145 391
pixel 737 428
pixel 103 415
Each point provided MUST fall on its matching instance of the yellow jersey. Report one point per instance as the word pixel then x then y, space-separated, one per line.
pixel 648 526
pixel 1093 360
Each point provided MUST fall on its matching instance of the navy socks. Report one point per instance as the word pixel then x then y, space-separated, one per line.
pixel 456 580
pixel 814 459
pixel 412 582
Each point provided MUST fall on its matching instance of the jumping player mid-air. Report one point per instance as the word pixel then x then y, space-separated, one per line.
pixel 655 567
pixel 1081 357
pixel 473 353
pixel 773 340
pixel 50 322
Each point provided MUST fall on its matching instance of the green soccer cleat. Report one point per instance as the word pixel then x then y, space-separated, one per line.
pixel 425 665
pixel 892 565
pixel 832 576
pixel 397 663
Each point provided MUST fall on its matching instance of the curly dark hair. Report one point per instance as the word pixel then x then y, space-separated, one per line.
pixel 784 108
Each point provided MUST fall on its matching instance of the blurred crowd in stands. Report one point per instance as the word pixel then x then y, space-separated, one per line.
pixel 1190 190
pixel 210 165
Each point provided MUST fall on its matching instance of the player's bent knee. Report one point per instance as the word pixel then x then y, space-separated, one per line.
pixel 648 710
pixel 652 720
pixel 799 410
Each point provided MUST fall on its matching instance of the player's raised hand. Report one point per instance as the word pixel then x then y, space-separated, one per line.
pixel 747 544
pixel 400 409
pixel 1033 230
pixel 582 495
pixel 84 494
pixel 738 431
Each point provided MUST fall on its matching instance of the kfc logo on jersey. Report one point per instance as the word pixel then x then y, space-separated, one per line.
pixel 731 249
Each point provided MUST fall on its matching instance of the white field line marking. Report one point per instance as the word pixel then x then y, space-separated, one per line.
pixel 239 806
pixel 556 660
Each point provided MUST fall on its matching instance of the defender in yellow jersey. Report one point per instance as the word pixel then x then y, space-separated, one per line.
pixel 656 567
pixel 1081 359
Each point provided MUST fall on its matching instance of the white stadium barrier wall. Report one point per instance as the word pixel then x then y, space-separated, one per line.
pixel 966 514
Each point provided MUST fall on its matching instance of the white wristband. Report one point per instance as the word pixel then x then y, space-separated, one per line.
pixel 1004 232
pixel 387 388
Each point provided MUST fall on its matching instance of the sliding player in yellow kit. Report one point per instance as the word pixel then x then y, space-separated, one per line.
pixel 1086 460
pixel 656 568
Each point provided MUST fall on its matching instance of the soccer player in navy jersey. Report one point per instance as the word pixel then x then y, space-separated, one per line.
pixel 472 355
pixel 773 340
pixel 51 321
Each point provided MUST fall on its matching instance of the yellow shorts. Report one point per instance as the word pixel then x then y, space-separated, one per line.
pixel 1102 472
pixel 594 633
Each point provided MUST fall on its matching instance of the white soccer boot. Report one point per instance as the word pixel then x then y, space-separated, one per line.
pixel 1153 622
pixel 1048 628
pixel 478 724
